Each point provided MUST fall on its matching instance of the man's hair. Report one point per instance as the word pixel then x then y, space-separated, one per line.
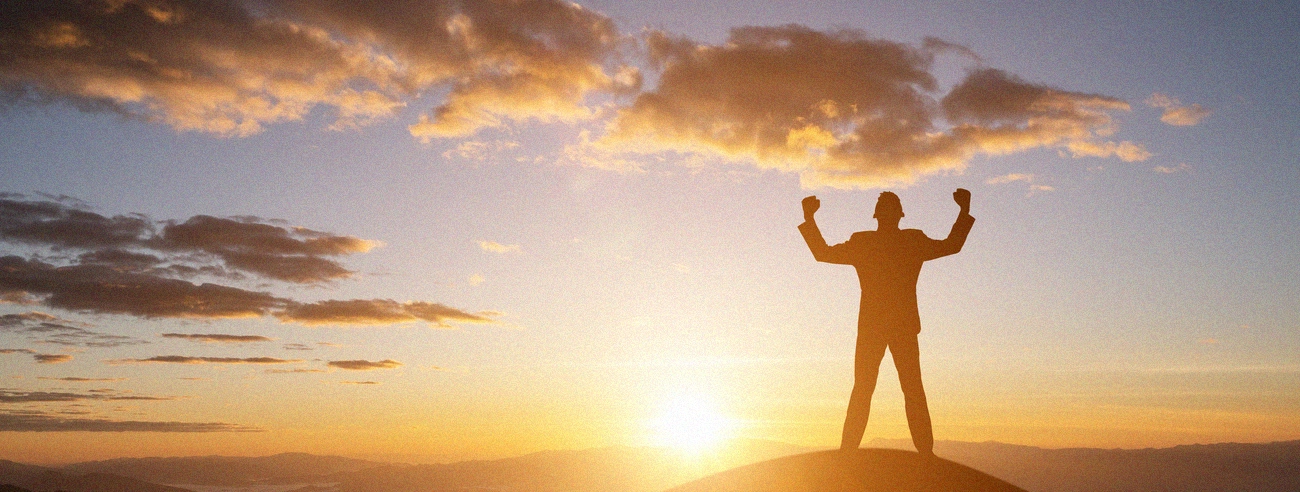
pixel 888 205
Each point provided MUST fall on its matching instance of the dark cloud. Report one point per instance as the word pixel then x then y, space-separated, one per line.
pixel 133 244
pixel 133 272
pixel 39 357
pixel 15 396
pixel 101 289
pixel 845 110
pixel 364 365
pixel 289 254
pixel 59 225
pixel 218 338
pixel 182 359
pixel 53 422
pixel 359 382
pixel 74 379
pixel 47 328
pixel 376 311
pixel 297 346
pixel 231 66
pixel 51 358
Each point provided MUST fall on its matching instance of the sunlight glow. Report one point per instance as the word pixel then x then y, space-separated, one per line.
pixel 690 423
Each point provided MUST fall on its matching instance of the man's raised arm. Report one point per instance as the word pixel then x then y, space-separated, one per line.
pixel 813 236
pixel 957 236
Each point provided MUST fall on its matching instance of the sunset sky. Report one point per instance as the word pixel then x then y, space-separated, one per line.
pixel 428 230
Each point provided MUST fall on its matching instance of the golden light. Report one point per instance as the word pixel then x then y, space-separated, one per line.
pixel 690 423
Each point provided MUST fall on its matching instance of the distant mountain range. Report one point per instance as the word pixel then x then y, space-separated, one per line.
pixel 1239 467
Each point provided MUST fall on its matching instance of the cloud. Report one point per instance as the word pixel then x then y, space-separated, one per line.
pixel 297 346
pixel 363 365
pixel 288 254
pixel 475 150
pixel 39 357
pixel 1020 177
pixel 844 110
pixel 15 396
pixel 49 422
pixel 475 279
pixel 137 244
pixel 230 67
pixel 74 379
pixel 1182 167
pixel 51 358
pixel 218 338
pixel 182 359
pixel 129 265
pixel 47 328
pixel 495 247
pixel 359 382
pixel 1175 113
pixel 376 312
pixel 1010 178
pixel 293 371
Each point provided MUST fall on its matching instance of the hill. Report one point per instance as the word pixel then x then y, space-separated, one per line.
pixel 859 470
pixel 224 470
pixel 40 479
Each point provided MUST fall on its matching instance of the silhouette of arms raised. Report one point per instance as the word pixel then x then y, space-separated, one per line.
pixel 957 236
pixel 840 253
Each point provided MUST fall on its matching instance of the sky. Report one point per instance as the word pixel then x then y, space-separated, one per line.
pixel 434 231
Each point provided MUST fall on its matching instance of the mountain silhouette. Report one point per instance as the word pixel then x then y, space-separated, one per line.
pixel 856 470
pixel 41 479
pixel 1271 467
pixel 225 470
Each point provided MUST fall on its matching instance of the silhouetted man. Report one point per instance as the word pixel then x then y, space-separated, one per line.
pixel 888 261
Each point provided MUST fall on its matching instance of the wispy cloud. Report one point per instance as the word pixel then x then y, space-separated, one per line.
pixel 54 422
pixel 136 266
pixel 74 379
pixel 360 382
pixel 1182 167
pixel 218 338
pixel 17 396
pixel 377 312
pixel 364 365
pixel 39 357
pixel 182 359
pixel 1175 112
pixel 495 247
pixel 47 328
pixel 294 371
pixel 1026 178
pixel 52 358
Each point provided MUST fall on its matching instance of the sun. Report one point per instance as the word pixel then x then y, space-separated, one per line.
pixel 690 423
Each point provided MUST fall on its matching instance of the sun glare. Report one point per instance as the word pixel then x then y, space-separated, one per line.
pixel 690 423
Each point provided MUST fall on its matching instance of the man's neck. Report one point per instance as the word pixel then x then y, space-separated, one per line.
pixel 887 226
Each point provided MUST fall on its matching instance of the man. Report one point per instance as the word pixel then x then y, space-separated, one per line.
pixel 888 261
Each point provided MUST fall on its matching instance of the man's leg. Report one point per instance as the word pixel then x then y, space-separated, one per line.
pixel 866 366
pixel 907 359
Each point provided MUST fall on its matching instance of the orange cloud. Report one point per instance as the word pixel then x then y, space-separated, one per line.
pixel 230 67
pixel 219 338
pixel 495 247
pixel 1175 113
pixel 845 110
pixel 181 359
pixel 364 365
pixel 376 312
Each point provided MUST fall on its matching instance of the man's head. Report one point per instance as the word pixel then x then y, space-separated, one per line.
pixel 888 207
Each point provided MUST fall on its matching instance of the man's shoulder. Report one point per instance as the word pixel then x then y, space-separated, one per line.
pixel 862 235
